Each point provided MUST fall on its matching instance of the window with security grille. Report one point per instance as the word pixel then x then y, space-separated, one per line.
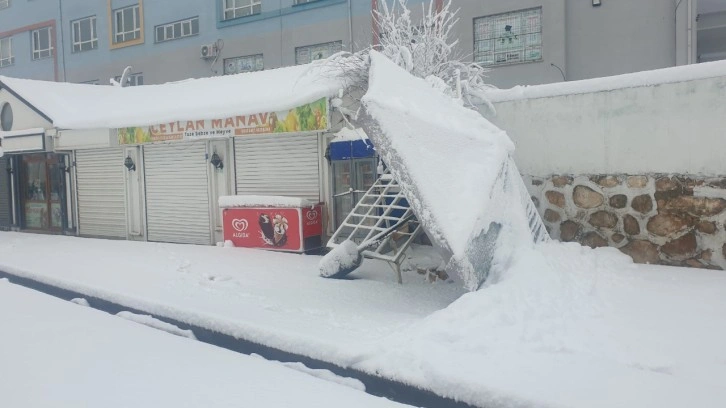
pixel 240 8
pixel 508 38
pixel 6 51
pixel 4 4
pixel 127 24
pixel 178 29
pixel 84 34
pixel 310 53
pixel 247 63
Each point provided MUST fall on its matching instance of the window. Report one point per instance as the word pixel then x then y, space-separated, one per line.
pixel 304 55
pixel 6 117
pixel 241 8
pixel 6 51
pixel 133 79
pixel 508 38
pixel 127 24
pixel 42 43
pixel 84 34
pixel 179 29
pixel 296 2
pixel 243 64
pixel 4 4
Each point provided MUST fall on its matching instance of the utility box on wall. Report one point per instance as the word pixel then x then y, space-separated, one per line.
pixel 274 223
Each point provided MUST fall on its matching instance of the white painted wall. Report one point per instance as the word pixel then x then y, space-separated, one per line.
pixel 86 139
pixel 668 128
pixel 23 116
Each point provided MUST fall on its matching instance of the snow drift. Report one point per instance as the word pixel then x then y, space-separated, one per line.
pixel 437 150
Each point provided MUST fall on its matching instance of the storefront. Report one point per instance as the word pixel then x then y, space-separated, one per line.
pixel 34 182
pixel 185 166
pixel 42 192
pixel 118 173
pixel 6 219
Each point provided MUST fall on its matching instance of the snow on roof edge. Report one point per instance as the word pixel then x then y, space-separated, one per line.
pixel 241 201
pixel 632 80
pixel 83 106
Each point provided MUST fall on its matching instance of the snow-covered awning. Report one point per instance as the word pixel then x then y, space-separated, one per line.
pixel 83 106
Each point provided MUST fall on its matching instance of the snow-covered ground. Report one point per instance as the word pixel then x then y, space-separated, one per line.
pixel 563 326
pixel 58 354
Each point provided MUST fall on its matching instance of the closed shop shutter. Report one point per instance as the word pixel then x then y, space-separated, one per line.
pixel 5 219
pixel 286 165
pixel 101 193
pixel 177 193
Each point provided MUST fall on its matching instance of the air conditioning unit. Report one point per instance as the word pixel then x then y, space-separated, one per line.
pixel 209 51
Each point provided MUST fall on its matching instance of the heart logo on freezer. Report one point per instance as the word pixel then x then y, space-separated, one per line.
pixel 312 215
pixel 240 224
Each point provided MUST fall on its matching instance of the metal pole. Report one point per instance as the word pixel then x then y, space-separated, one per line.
pixel 62 43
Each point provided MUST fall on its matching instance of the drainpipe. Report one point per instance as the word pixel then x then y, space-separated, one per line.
pixel 675 30
pixel 62 43
pixel 690 32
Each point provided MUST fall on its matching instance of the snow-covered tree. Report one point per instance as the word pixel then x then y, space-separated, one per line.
pixel 425 47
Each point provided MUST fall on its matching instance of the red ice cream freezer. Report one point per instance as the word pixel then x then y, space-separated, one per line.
pixel 282 225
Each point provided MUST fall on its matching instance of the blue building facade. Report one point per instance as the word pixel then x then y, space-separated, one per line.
pixel 523 41
pixel 92 41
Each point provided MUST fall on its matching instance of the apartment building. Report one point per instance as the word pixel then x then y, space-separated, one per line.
pixel 522 41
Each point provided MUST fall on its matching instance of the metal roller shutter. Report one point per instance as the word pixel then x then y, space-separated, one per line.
pixel 177 193
pixel 5 218
pixel 286 165
pixel 101 193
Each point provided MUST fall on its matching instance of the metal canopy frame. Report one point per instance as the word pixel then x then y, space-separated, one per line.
pixel 380 208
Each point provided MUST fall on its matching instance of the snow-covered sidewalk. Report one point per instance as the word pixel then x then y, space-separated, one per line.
pixel 564 326
pixel 57 354
pixel 272 298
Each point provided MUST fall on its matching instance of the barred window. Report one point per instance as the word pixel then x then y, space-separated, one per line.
pixel 4 4
pixel 42 43
pixel 309 53
pixel 84 34
pixel 243 64
pixel 178 29
pixel 508 38
pixel 241 8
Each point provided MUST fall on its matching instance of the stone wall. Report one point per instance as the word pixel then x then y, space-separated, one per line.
pixel 655 218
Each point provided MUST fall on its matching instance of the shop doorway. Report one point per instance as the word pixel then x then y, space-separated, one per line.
pixel 42 192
